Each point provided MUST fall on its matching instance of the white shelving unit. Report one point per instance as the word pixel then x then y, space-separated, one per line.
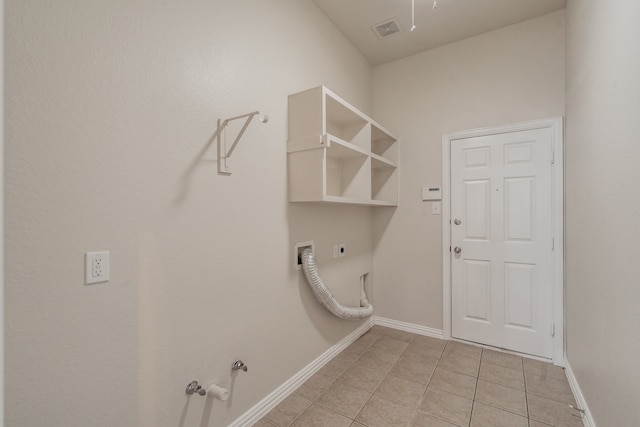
pixel 337 154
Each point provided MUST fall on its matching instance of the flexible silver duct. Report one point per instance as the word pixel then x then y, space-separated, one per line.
pixel 324 295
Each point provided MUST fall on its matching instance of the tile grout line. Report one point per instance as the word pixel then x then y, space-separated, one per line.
pixel 526 398
pixel 526 393
pixel 417 405
pixel 475 392
pixel 512 388
pixel 370 397
pixel 378 386
pixel 429 383
pixel 335 380
pixel 424 393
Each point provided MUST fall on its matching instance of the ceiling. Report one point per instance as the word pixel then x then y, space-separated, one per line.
pixel 451 21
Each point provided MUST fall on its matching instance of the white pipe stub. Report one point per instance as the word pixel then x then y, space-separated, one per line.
pixel 217 392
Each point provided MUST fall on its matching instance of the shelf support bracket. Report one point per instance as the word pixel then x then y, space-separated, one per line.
pixel 223 153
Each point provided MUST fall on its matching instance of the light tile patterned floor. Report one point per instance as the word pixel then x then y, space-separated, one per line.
pixel 394 378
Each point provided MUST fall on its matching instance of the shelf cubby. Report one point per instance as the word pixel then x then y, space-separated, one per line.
pixel 337 154
pixel 384 181
pixel 382 143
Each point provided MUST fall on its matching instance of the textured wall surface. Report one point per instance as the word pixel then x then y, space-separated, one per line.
pixel 603 206
pixel 510 75
pixel 110 107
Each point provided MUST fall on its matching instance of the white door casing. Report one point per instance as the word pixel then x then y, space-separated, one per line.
pixel 504 288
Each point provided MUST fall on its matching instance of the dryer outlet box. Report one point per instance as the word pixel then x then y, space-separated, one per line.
pixel 297 252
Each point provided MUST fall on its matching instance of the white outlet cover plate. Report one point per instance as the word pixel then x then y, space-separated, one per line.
pixel 103 258
pixel 435 208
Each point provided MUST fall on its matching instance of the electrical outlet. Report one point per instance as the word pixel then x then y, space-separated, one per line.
pixel 336 251
pixel 342 249
pixel 96 267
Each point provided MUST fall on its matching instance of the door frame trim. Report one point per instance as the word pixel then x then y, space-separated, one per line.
pixel 556 124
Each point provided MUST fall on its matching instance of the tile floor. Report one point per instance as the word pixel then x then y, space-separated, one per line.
pixel 393 378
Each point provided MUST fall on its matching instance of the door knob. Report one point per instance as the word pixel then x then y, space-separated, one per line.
pixel 457 221
pixel 457 250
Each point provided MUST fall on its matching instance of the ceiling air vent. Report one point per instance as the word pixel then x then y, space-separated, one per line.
pixel 387 28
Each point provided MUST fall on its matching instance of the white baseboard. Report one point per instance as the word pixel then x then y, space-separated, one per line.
pixel 261 408
pixel 409 327
pixel 587 419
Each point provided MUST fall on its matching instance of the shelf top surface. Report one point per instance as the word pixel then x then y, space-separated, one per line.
pixel 347 116
pixel 379 161
pixel 340 148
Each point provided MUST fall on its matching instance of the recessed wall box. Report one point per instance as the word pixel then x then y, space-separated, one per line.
pixel 297 251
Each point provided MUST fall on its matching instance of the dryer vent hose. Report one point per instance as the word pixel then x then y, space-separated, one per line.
pixel 324 295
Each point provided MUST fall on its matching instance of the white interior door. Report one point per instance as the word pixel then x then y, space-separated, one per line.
pixel 502 242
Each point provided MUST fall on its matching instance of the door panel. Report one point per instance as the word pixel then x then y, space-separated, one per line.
pixel 477 290
pixel 519 283
pixel 520 209
pixel 520 152
pixel 477 157
pixel 502 278
pixel 477 209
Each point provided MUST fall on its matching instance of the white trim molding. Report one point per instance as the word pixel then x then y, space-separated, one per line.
pixel 587 419
pixel 556 124
pixel 409 327
pixel 261 408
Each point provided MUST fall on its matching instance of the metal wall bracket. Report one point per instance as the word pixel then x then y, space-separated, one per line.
pixel 223 153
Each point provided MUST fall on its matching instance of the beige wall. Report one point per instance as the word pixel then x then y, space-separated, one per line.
pixel 510 75
pixel 603 206
pixel 108 106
